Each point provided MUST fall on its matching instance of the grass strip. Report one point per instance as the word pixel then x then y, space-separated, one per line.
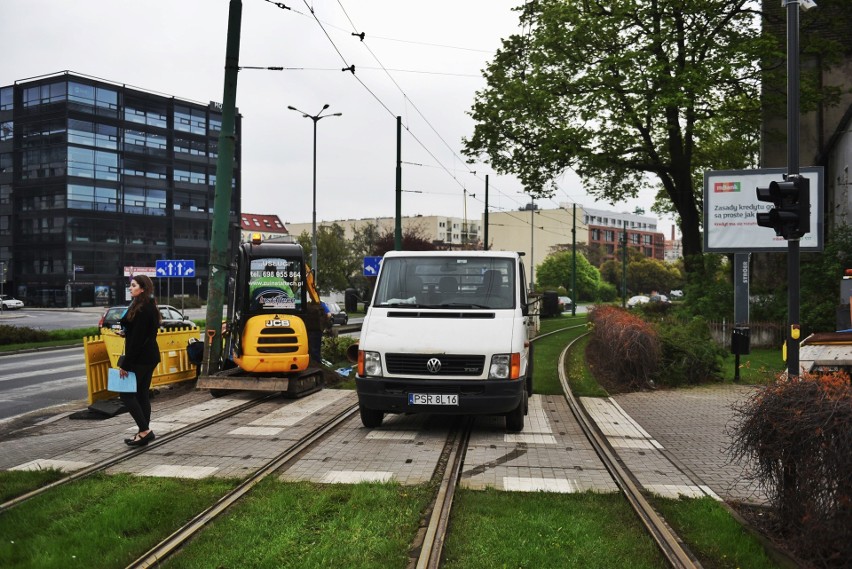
pixel 713 535
pixel 311 526
pixel 537 529
pixel 762 365
pixel 14 483
pixel 101 521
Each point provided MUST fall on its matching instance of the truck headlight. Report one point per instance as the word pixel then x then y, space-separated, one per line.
pixel 372 364
pixel 505 366
pixel 500 366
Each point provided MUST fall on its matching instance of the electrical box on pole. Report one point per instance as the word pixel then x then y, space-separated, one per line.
pixel 790 218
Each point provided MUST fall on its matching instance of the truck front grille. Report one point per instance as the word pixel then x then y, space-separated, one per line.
pixel 419 364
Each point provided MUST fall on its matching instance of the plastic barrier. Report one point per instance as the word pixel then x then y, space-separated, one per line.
pixel 102 353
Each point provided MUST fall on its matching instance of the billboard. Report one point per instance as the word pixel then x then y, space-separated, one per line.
pixel 730 205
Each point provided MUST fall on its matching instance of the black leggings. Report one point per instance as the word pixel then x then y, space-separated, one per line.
pixel 139 403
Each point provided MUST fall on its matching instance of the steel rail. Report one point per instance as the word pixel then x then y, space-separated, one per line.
pixel 439 518
pixel 173 542
pixel 104 464
pixel 667 541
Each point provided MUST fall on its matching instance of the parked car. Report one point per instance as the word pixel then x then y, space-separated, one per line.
pixel 564 303
pixel 337 314
pixel 676 293
pixel 10 303
pixel 638 299
pixel 172 317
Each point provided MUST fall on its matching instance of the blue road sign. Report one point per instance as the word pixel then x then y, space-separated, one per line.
pixel 371 266
pixel 175 268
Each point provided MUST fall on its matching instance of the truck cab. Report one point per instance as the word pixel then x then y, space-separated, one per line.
pixel 447 333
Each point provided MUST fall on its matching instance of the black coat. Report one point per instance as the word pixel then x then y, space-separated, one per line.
pixel 140 337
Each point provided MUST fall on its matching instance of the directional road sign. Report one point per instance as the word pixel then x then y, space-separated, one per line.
pixel 371 266
pixel 175 268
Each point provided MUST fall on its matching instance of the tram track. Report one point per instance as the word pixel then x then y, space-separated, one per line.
pixel 173 542
pixel 133 453
pixel 430 545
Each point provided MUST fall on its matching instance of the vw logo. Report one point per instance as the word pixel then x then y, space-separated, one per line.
pixel 433 365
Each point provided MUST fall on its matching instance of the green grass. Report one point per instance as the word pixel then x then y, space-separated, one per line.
pixel 715 537
pixel 102 521
pixel 534 530
pixel 14 483
pixel 309 526
pixel 546 351
pixel 762 365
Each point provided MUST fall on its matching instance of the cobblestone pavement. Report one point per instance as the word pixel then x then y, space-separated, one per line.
pixel 693 425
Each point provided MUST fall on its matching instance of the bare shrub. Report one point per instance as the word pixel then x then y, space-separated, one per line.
pixel 623 349
pixel 798 435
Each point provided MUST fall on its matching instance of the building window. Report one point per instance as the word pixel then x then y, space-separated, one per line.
pixel 7 99
pixel 191 174
pixel 87 163
pixel 7 129
pixel 44 94
pixel 146 113
pixel 93 99
pixel 191 120
pixel 191 147
pixel 145 201
pixel 93 198
pixel 92 134
pixel 191 202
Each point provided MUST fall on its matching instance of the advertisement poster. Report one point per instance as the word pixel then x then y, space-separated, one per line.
pixel 730 205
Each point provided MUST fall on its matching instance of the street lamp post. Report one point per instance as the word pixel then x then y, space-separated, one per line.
pixel 316 118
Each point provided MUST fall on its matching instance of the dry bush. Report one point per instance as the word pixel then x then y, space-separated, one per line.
pixel 623 350
pixel 798 435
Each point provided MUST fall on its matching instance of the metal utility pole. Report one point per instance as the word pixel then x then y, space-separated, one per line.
pixel 316 118
pixel 219 241
pixel 485 243
pixel 624 266
pixel 793 290
pixel 397 229
pixel 574 260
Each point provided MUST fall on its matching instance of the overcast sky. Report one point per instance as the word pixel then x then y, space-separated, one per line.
pixel 420 60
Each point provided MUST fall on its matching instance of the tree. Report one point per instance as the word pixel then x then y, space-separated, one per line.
pixel 334 257
pixel 555 271
pixel 623 92
pixel 412 240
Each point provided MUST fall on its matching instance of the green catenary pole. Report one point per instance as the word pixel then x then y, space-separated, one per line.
pixel 397 231
pixel 219 240
pixel 574 261
pixel 486 247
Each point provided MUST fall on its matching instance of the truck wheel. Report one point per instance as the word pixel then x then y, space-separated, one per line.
pixel 515 418
pixel 371 418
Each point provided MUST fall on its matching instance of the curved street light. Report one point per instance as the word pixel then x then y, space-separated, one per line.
pixel 316 118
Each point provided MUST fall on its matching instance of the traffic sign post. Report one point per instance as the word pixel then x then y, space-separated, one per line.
pixel 372 266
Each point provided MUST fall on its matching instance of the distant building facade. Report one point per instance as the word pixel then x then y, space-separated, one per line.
pixel 444 232
pixel 269 227
pixel 607 229
pixel 97 176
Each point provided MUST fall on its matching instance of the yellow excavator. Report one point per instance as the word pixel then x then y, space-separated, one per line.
pixel 273 306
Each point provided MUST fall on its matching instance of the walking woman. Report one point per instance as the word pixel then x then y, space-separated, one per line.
pixel 141 354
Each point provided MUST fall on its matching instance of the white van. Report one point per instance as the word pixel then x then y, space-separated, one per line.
pixel 447 332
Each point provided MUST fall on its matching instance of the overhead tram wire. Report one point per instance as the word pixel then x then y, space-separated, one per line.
pixel 351 67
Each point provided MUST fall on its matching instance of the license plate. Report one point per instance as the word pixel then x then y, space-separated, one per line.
pixel 433 399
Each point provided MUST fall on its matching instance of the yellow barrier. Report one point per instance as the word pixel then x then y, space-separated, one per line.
pixel 102 353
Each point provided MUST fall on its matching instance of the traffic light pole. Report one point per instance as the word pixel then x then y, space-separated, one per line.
pixel 793 290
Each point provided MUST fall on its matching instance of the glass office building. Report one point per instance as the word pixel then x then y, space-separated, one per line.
pixel 98 177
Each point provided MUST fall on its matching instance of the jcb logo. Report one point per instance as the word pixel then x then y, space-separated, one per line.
pixel 277 323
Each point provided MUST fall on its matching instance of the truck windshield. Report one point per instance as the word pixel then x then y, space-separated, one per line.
pixel 447 282
pixel 275 284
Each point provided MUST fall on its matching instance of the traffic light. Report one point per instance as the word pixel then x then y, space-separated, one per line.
pixel 791 216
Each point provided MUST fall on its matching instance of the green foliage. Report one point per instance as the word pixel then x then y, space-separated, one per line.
pixel 643 274
pixel 607 292
pixel 334 256
pixel 624 351
pixel 334 348
pixel 555 271
pixel 688 353
pixel 21 335
pixel 558 96
pixel 709 291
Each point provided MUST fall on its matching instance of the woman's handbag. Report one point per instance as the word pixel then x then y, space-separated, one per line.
pixel 115 382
